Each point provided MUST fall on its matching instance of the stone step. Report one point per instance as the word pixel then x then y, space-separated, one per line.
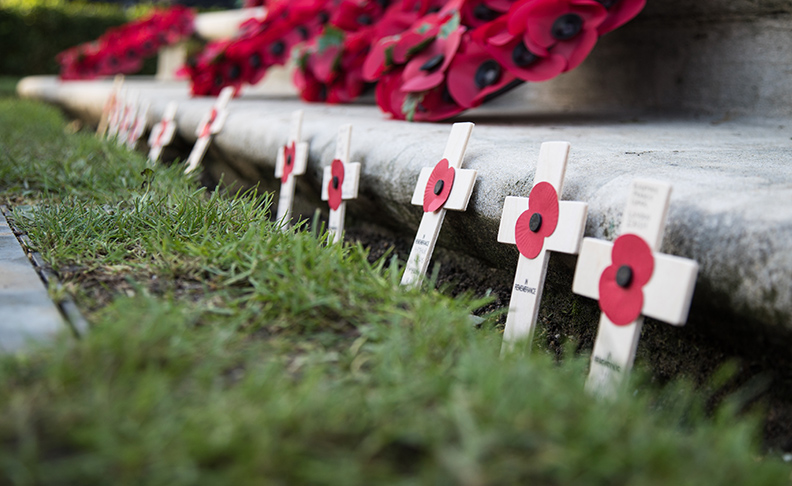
pixel 26 311
pixel 731 205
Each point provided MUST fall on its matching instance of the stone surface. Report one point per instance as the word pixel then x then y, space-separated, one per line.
pixel 26 311
pixel 730 205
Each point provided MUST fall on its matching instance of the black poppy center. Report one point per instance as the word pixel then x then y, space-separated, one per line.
pixel 383 3
pixel 255 60
pixel 324 17
pixel 608 3
pixel 365 19
pixel 433 63
pixel 482 12
pixel 303 31
pixel 218 80
pixel 567 26
pixel 130 54
pixel 522 57
pixel 624 276
pixel 277 48
pixel 438 188
pixel 335 182
pixel 234 72
pixel 487 74
pixel 322 95
pixel 535 222
pixel 289 159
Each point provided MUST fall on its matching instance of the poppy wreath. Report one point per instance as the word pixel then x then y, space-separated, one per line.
pixel 621 284
pixel 429 59
pixel 121 50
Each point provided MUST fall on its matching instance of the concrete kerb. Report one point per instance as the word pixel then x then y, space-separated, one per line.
pixel 729 211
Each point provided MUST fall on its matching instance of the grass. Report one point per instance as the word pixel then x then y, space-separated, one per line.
pixel 226 351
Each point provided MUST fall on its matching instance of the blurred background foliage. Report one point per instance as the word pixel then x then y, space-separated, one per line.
pixel 32 32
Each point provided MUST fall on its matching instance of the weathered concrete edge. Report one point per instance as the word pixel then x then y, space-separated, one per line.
pixel 749 274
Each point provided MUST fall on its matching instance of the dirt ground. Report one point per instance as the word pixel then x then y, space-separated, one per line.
pixel 759 376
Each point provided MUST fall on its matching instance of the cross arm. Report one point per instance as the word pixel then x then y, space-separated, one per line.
pixel 566 238
pixel 458 199
pixel 668 293
pixel 349 189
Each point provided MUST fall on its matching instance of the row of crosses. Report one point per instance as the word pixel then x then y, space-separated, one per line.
pixel 628 277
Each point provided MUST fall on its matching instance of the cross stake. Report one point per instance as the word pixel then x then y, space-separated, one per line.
pixel 439 188
pixel 340 182
pixel 537 225
pixel 162 133
pixel 291 161
pixel 211 124
pixel 631 280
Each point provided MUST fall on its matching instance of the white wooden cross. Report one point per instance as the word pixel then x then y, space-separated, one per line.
pixel 631 279
pixel 110 105
pixel 433 193
pixel 537 225
pixel 138 126
pixel 340 182
pixel 211 124
pixel 128 117
pixel 291 161
pixel 117 114
pixel 162 133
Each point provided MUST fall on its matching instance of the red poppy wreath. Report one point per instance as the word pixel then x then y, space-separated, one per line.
pixel 621 284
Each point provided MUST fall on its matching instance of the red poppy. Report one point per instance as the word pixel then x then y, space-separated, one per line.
pixel 479 12
pixel 517 53
pixel 569 27
pixel 427 69
pixel 621 284
pixel 438 187
pixel 538 222
pixel 206 128
pixel 433 105
pixel 334 193
pixel 288 161
pixel 475 75
pixel 619 13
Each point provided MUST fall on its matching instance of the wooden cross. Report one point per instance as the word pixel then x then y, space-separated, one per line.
pixel 340 182
pixel 128 117
pixel 162 133
pixel 211 124
pixel 439 188
pixel 631 279
pixel 138 126
pixel 291 161
pixel 110 105
pixel 116 114
pixel 537 225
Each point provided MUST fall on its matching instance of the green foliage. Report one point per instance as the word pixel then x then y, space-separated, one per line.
pixel 270 356
pixel 32 32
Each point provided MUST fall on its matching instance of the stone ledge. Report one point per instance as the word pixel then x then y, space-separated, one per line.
pixel 730 206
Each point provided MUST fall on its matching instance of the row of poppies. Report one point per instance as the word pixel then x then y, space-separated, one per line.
pixel 430 59
pixel 122 50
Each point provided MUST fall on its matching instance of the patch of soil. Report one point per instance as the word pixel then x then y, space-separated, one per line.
pixel 761 380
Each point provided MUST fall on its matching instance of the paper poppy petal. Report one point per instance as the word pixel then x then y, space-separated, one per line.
pixel 622 306
pixel 288 161
pixel 544 200
pixel 529 243
pixel 442 171
pixel 335 194
pixel 632 250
